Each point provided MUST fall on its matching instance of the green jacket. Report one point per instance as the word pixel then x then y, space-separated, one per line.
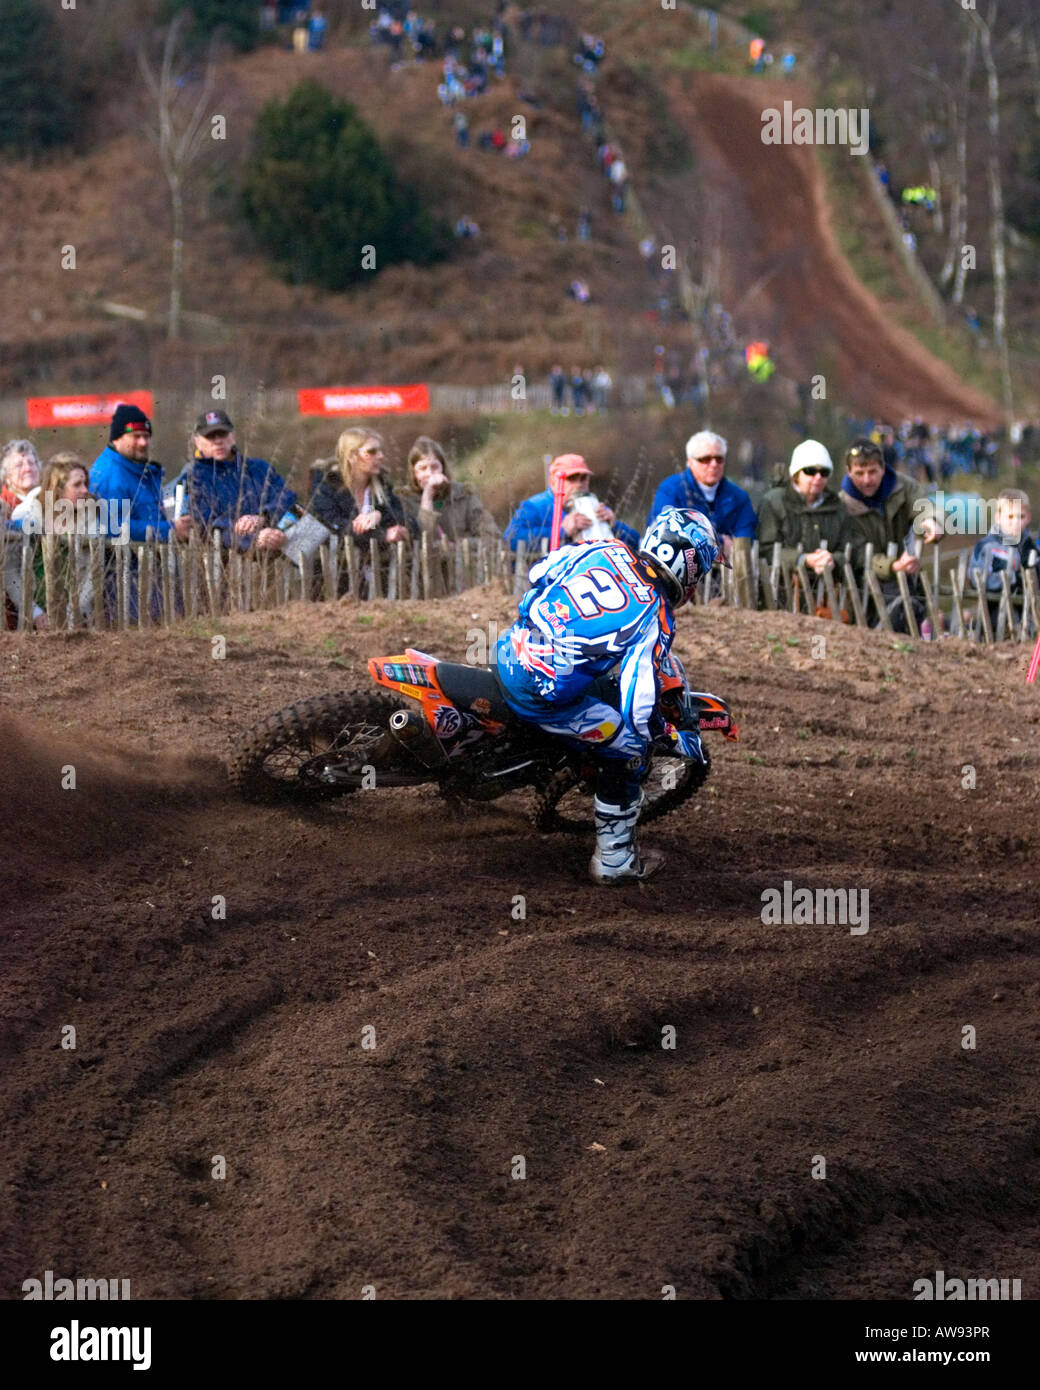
pixel 906 504
pixel 460 514
pixel 784 516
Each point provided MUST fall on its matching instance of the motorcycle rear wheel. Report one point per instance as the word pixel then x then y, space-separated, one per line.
pixel 280 759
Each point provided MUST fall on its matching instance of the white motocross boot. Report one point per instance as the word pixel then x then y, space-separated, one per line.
pixel 617 858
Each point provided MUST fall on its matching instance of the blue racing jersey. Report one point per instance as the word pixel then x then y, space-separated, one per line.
pixel 590 608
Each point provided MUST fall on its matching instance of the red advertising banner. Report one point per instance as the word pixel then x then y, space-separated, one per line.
pixel 45 411
pixel 365 400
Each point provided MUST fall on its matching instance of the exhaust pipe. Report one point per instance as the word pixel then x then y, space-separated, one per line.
pixel 413 733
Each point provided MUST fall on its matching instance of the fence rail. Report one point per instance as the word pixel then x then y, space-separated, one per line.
pixel 93 582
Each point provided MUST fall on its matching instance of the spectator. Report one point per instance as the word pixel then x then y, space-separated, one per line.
pixel 56 505
pixel 619 180
pixel 466 229
pixel 579 290
pixel 237 496
pixel 578 390
pixel 124 478
pixel 557 387
pixel 19 492
pixel 355 498
pixel 461 125
pixel 65 498
pixel 19 476
pixel 316 27
pixel 532 520
pixel 601 384
pixel 584 225
pixel 804 515
pixel 437 503
pixel 702 487
pixel 130 484
pixel 1006 548
pixel 498 138
pixel 885 508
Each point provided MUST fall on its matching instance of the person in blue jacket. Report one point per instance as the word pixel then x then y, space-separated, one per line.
pixel 238 496
pixel 129 483
pixel 131 486
pixel 532 520
pixel 702 488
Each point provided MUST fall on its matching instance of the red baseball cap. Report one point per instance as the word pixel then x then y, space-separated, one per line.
pixel 567 466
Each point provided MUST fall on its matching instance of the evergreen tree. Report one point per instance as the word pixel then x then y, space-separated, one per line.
pixel 38 110
pixel 239 20
pixel 318 189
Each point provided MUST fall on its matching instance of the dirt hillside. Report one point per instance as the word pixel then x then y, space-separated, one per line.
pixel 779 243
pixel 498 1037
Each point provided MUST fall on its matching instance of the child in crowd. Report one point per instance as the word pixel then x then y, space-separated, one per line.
pixel 1007 547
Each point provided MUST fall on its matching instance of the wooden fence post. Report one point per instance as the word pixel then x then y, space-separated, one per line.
pixel 874 591
pixel 124 583
pixel 350 554
pixel 334 564
pixel 934 615
pixel 1032 589
pixel 982 607
pixel 520 570
pixel 168 557
pixel 742 572
pixel 908 608
pixel 375 584
pixel 191 575
pixel 1009 607
pixel 97 581
pixel 144 588
pixel 25 608
pixel 427 578
pixel 852 589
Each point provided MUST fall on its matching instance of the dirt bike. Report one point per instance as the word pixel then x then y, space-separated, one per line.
pixel 448 726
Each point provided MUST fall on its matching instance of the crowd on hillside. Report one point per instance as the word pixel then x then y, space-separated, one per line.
pixel 249 505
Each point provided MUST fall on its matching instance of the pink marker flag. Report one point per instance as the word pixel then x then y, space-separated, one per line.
pixel 1031 674
pixel 557 516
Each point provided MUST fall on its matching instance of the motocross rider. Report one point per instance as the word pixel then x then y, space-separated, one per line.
pixel 590 608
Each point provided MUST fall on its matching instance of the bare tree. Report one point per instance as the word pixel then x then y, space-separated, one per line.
pixel 985 28
pixel 180 134
pixel 959 212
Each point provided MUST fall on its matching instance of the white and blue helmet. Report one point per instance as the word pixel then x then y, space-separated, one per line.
pixel 681 547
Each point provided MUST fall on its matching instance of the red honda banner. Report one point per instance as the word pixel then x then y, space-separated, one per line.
pixel 365 400
pixel 44 411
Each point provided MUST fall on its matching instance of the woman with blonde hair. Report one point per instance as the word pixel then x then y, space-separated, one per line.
pixel 64 493
pixel 439 504
pixel 355 497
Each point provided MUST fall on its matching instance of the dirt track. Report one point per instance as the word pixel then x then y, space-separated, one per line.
pixel 778 245
pixel 498 1037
